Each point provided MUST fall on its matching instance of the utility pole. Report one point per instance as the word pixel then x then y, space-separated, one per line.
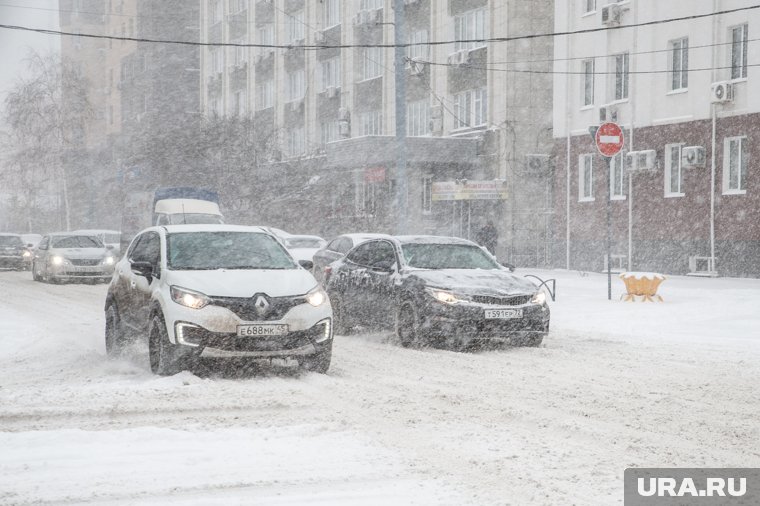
pixel 402 201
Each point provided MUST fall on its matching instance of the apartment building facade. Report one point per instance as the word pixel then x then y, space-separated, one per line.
pixel 683 194
pixel 325 98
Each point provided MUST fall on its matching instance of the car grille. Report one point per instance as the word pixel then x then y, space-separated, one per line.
pixel 245 309
pixel 232 342
pixel 515 300
pixel 85 262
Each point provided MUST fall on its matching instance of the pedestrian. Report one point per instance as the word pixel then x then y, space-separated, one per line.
pixel 488 237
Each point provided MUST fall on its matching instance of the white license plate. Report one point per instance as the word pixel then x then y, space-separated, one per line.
pixel 503 314
pixel 262 330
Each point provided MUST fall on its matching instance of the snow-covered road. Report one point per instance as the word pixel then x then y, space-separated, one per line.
pixel 615 385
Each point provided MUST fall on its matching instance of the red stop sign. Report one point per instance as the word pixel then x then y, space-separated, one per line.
pixel 609 139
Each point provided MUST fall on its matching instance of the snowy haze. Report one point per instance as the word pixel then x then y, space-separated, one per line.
pixel 615 385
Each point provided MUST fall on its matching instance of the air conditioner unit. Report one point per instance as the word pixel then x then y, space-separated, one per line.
pixel 611 15
pixel 722 92
pixel 331 92
pixel 537 164
pixel 693 156
pixel 319 36
pixel 701 266
pixel 608 112
pixel 461 57
pixel 641 160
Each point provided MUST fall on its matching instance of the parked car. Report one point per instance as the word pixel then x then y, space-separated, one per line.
pixel 336 249
pixel 68 256
pixel 435 290
pixel 303 247
pixel 31 240
pixel 221 291
pixel 109 237
pixel 14 254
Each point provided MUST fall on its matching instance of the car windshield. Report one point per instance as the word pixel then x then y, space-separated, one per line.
pixel 194 219
pixel 225 250
pixel 76 241
pixel 447 256
pixel 300 242
pixel 112 238
pixel 10 240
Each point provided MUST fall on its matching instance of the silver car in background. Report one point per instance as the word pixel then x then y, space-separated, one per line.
pixel 335 250
pixel 69 256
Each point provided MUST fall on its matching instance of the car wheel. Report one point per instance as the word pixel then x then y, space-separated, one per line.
pixel 115 338
pixel 35 274
pixel 340 320
pixel 162 361
pixel 407 327
pixel 320 361
pixel 532 341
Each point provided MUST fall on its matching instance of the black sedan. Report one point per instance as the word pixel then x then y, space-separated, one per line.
pixel 435 290
pixel 14 254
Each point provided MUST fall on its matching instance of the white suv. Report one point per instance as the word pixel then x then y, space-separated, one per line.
pixel 217 291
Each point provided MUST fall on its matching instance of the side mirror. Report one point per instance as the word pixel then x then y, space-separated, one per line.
pixel 143 269
pixel 110 246
pixel 509 266
pixel 306 264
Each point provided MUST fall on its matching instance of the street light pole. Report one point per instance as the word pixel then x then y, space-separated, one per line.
pixel 402 203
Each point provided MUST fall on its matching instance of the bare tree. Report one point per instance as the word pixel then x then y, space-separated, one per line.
pixel 45 116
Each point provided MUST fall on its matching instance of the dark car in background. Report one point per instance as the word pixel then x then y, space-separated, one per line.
pixel 336 249
pixel 435 290
pixel 14 254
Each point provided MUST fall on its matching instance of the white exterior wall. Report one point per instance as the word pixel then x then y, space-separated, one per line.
pixel 650 101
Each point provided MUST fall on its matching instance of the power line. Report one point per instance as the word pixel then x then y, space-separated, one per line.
pixel 410 44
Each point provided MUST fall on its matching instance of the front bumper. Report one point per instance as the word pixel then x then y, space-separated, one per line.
pixel 213 330
pixel 68 271
pixel 468 321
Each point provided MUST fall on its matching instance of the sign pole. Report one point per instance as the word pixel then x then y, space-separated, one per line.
pixel 609 229
pixel 609 141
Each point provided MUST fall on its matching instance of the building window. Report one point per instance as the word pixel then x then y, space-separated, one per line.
pixel 366 5
pixel 365 198
pixel 264 95
pixel 588 82
pixel 617 177
pixel 372 60
pixel 371 123
pixel 585 178
pixel 427 194
pixel 679 64
pixel 468 27
pixel 330 72
pixel 217 60
pixel 419 52
pixel 735 165
pixel 673 171
pixel 329 131
pixel 294 27
pixel 238 6
pixel 215 12
pixel 471 108
pixel 296 85
pixel 621 76
pixel 331 10
pixel 239 107
pixel 589 6
pixel 418 118
pixel 265 37
pixel 296 141
pixel 739 39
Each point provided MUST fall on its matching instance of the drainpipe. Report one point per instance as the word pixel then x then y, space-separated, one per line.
pixel 568 126
pixel 712 192
pixel 634 12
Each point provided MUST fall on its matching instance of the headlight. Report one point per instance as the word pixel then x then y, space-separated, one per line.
pixel 538 298
pixel 26 254
pixel 56 260
pixel 316 297
pixel 444 296
pixel 108 260
pixel 189 298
